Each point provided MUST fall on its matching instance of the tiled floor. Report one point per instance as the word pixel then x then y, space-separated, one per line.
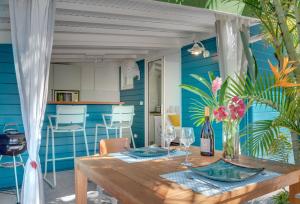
pixel 64 192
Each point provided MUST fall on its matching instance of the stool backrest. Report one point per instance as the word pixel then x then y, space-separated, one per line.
pixel 69 114
pixel 113 145
pixel 122 114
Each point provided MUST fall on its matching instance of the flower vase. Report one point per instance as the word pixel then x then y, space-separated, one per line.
pixel 231 140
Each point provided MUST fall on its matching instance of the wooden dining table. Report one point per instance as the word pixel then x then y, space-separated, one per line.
pixel 141 183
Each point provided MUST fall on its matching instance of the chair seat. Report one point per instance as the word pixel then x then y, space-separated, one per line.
pixel 69 128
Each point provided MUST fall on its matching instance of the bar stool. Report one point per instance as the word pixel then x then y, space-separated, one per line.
pixel 68 118
pixel 120 118
pixel 12 144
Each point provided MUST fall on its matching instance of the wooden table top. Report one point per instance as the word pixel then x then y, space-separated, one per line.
pixel 140 182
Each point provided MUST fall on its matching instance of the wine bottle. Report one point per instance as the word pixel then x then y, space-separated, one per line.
pixel 207 137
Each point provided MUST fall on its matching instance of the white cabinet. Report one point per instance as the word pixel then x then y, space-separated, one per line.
pixel 96 81
pixel 66 77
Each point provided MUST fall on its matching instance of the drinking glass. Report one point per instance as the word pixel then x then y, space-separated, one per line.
pixel 187 138
pixel 169 136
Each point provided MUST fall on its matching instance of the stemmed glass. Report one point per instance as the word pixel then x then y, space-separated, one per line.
pixel 169 136
pixel 187 138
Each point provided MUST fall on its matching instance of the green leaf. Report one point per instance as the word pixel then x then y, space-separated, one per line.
pixel 211 76
pixel 202 80
pixel 261 135
pixel 250 58
pixel 223 92
pixel 198 92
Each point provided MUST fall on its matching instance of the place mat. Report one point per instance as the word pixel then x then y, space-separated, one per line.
pixel 130 159
pixel 210 187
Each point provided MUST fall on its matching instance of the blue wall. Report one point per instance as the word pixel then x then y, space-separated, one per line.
pixel 198 65
pixel 134 97
pixel 10 111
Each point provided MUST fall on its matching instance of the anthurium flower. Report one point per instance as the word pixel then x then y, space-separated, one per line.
pixel 220 113
pixel 216 84
pixel 282 76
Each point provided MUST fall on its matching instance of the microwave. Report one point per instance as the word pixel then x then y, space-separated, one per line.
pixel 66 95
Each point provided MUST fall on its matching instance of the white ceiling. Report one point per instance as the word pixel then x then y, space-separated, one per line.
pixel 89 30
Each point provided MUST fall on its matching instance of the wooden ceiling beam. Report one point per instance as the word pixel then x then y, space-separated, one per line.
pixel 114 38
pixel 68 56
pixel 163 25
pixel 120 30
pixel 87 51
pixel 111 44
pixel 204 17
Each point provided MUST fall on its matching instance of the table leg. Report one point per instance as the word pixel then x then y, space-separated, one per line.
pixel 80 187
pixel 293 190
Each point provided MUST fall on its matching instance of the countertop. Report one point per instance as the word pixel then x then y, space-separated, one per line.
pixel 85 103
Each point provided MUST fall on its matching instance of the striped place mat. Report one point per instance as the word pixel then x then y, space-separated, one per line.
pixel 210 187
pixel 133 159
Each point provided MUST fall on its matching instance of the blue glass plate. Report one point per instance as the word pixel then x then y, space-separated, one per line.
pixel 148 152
pixel 222 170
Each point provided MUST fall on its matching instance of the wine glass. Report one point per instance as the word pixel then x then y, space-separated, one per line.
pixel 187 138
pixel 169 136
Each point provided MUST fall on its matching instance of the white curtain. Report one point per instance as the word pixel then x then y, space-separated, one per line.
pixel 232 59
pixel 32 25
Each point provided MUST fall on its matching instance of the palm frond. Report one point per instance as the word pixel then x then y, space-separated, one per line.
pixel 261 135
pixel 204 96
pixel 281 148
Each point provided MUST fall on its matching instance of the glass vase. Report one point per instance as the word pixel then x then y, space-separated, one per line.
pixel 231 140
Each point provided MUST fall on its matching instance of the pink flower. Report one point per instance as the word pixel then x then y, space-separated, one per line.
pixel 220 113
pixel 235 99
pixel 237 108
pixel 216 85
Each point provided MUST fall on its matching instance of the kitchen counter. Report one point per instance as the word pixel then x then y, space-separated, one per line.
pixel 84 103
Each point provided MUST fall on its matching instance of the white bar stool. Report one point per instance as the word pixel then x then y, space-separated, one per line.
pixel 68 118
pixel 120 118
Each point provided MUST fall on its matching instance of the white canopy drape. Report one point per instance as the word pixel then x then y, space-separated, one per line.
pixel 32 25
pixel 232 59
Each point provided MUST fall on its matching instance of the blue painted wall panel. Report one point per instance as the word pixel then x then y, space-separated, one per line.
pixel 133 97
pixel 198 65
pixel 10 111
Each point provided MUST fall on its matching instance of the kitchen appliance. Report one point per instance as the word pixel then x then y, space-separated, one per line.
pixel 66 95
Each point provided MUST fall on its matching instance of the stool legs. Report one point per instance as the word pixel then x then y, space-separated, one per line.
pixel 16 179
pixel 46 156
pixel 21 159
pixel 86 144
pixel 107 133
pixel 74 146
pixel 53 159
pixel 132 138
pixel 96 139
